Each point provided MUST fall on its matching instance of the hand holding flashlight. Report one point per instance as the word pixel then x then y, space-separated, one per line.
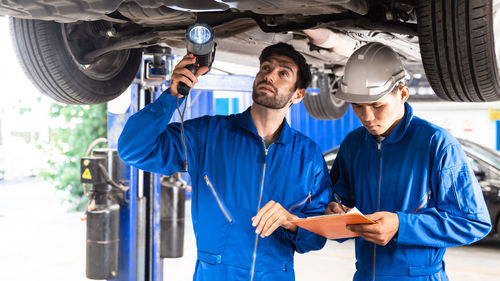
pixel 200 43
pixel 200 46
pixel 183 75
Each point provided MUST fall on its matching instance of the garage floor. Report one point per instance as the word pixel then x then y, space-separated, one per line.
pixel 39 240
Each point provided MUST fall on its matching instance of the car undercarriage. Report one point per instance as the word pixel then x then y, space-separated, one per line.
pixel 101 42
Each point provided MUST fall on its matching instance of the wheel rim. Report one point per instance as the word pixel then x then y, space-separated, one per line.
pixel 104 68
pixel 101 70
pixel 333 90
pixel 496 30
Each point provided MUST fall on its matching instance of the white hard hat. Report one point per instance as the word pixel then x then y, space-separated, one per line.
pixel 371 72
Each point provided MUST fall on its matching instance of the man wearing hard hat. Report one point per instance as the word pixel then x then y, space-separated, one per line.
pixel 410 176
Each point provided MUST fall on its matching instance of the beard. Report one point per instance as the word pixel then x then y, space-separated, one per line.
pixel 274 100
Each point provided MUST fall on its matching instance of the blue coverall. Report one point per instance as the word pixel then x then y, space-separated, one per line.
pixel 233 176
pixel 420 172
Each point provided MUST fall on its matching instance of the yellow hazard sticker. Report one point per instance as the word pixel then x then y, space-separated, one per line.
pixel 494 113
pixel 86 162
pixel 86 174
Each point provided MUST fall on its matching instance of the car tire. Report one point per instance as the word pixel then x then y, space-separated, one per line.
pixel 457 45
pixel 47 59
pixel 324 105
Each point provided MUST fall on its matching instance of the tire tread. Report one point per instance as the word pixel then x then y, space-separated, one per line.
pixel 458 56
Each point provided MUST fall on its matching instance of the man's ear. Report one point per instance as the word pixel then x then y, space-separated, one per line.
pixel 298 96
pixel 405 93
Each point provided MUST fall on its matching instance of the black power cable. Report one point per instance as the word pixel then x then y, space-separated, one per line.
pixel 185 165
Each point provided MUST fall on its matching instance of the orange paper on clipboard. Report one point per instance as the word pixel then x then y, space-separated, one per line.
pixel 333 226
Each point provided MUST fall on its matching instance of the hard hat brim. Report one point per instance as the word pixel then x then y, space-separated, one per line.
pixel 372 94
pixel 354 98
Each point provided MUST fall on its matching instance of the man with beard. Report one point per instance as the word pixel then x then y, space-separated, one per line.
pixel 251 173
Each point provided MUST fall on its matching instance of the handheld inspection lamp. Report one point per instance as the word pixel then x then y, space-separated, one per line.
pixel 199 42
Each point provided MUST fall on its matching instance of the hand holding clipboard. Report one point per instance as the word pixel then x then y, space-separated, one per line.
pixel 333 226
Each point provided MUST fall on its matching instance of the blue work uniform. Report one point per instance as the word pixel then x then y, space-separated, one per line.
pixel 234 175
pixel 420 172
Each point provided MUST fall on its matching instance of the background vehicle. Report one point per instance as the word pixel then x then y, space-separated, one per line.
pixel 486 165
pixel 84 52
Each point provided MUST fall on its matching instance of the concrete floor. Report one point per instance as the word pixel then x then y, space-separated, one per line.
pixel 39 240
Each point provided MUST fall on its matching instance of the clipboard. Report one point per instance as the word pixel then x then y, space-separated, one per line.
pixel 332 226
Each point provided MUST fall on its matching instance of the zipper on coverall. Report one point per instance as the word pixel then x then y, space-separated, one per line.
pixel 302 203
pixel 209 184
pixel 258 208
pixel 379 146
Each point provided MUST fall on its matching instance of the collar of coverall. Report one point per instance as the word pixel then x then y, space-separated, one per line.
pixel 397 134
pixel 245 121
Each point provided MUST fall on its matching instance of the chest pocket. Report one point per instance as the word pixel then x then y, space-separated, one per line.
pixel 219 201
pixel 215 221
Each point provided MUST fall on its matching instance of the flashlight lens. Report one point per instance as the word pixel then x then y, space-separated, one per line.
pixel 200 34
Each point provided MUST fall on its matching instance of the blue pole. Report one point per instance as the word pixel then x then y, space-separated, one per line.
pixel 498 134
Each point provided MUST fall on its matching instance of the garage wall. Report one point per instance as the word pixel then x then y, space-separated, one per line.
pixel 464 120
pixel 326 133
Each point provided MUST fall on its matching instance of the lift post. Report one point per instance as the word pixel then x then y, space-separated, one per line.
pixel 139 244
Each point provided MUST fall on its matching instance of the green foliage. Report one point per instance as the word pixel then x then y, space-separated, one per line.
pixel 73 129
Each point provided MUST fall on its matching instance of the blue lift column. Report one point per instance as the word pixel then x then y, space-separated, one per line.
pixel 139 247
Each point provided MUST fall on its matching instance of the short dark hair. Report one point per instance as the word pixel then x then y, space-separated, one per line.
pixel 304 76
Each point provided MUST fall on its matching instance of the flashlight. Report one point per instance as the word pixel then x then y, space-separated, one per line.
pixel 200 43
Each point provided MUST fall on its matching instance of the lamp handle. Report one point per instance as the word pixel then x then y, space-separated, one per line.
pixel 182 88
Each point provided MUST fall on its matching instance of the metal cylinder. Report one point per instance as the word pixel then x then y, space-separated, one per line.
pixel 102 242
pixel 173 196
pixel 103 221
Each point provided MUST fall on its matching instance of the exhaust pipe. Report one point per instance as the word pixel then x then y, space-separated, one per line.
pixel 336 42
